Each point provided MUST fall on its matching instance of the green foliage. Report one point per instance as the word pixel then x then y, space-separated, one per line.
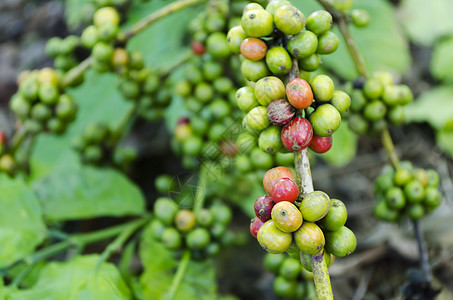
pixel 344 147
pixel 79 278
pixel 442 60
pixel 21 224
pixel 381 43
pixel 426 21
pixel 87 193
pixel 77 12
pixel 198 281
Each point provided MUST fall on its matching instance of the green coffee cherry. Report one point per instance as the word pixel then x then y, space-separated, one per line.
pixel 198 238
pixel 273 5
pixel 325 120
pixel 327 43
pixel 395 198
pixel 41 112
pixel 254 70
pixel 270 139
pixel 212 70
pixel 343 5
pixel 336 216
pixel 341 101
pixel 303 44
pixel 396 115
pixel 29 89
pixel 20 106
pixel 290 268
pixel 358 124
pixel 204 92
pixel 341 242
pixel 414 191
pixel 217 45
pixel 278 60
pixel 261 160
pixel 269 89
pixel 319 22
pixel 90 36
pixel 223 85
pixel 257 23
pixel 416 211
pixel 323 87
pixel 375 110
pixel 257 118
pixel 310 63
pixel 102 51
pixel 272 262
pixel 171 238
pixel 165 210
pixel 382 211
pixel 360 17
pixel 289 20
pixel 245 98
pixel 235 37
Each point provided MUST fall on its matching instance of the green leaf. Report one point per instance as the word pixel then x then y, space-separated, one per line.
pixel 21 224
pixel 433 106
pixel 442 60
pixel 444 139
pixel 425 21
pixel 381 43
pixel 344 146
pixel 159 263
pixel 78 278
pixel 99 101
pixel 87 193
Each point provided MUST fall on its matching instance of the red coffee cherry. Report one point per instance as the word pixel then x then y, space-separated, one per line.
pixel 263 208
pixel 280 112
pixel 253 49
pixel 297 134
pixel 255 225
pixel 285 190
pixel 299 93
pixel 321 144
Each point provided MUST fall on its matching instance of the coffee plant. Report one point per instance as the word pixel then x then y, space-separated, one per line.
pixel 138 157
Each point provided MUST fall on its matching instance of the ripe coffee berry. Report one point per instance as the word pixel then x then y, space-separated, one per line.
pixel 321 144
pixel 280 112
pixel 299 93
pixel 198 48
pixel 255 225
pixel 253 49
pixel 285 190
pixel 275 174
pixel 297 134
pixel 263 208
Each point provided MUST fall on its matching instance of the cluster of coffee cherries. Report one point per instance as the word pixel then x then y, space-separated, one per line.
pixel 292 280
pixel 406 191
pixel 316 224
pixel 264 33
pixel 41 103
pixel 62 50
pixel 273 109
pixel 378 103
pixel 96 147
pixel 204 232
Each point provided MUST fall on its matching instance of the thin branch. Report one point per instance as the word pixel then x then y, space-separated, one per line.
pixel 422 251
pixel 177 279
pixel 387 142
pixel 157 15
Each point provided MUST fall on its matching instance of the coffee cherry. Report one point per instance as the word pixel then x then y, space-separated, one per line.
pixel 299 93
pixel 309 238
pixel 310 63
pixel 165 210
pixel 171 238
pixel 286 216
pixel 382 211
pixel 273 175
pixel 297 134
pixel 185 220
pixel 221 213
pixel 336 216
pixel 416 211
pixel 251 6
pixel 284 288
pixel 321 144
pixel 396 115
pixel 204 92
pixel 272 262
pixel 257 23
pixel 433 197
pixel 319 22
pixel 41 112
pixel 280 112
pixel 341 101
pixel 198 238
pixel 358 124
pixel 402 176
pixel 303 44
pixel 289 20
pixel 255 225
pixel 273 5
pixel 273 239
pixel 360 17
pixel 278 60
pixel 102 52
pixel 106 15
pixel 373 88
pixel 327 43
pixel 254 70
pixel 395 198
pixel 269 89
pixel 315 206
pixel 217 45
pixel 322 87
pixel 223 85
pixel 261 160
pixel 7 164
pixel 253 49
pixel 414 191
pixel 285 189
pixel 290 268
pixel 269 140
pixel 325 120
pixel 263 207
pixel 257 118
pixel 375 110
pixel 341 242
pixel 433 178
pixel 235 37
pixel 245 98
pixel 343 5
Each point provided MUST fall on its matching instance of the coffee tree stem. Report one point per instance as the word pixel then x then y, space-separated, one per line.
pixel 305 182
